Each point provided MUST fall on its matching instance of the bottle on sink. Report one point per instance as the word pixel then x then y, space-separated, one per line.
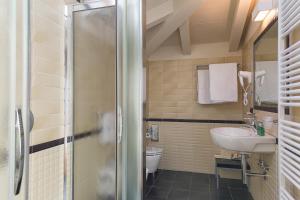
pixel 260 128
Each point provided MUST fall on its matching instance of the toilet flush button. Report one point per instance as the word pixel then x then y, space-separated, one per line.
pixel 154 132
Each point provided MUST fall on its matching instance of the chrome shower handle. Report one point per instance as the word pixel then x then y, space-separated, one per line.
pixel 119 125
pixel 31 120
pixel 19 161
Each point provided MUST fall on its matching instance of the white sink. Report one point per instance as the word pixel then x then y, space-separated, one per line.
pixel 242 139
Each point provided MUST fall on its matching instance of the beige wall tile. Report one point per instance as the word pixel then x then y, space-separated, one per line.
pixel 173 94
pixel 173 91
pixel 46 174
pixel 47 55
pixel 46 168
pixel 188 147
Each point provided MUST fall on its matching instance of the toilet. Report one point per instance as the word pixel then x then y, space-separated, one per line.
pixel 153 155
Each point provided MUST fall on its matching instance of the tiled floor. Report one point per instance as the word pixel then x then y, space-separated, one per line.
pixel 174 185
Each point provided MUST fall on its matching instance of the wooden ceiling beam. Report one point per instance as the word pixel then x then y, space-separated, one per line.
pixel 239 24
pixel 185 40
pixel 182 12
pixel 159 14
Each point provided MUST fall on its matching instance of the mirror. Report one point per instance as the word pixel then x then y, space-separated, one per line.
pixel 265 69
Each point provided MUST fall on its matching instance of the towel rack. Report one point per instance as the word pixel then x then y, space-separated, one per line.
pixel 206 67
pixel 202 67
pixel 289 96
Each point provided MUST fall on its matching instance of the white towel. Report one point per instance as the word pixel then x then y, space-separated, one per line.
pixel 203 88
pixel 223 82
pixel 107 124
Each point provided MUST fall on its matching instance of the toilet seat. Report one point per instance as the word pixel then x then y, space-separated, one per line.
pixel 153 151
pixel 149 154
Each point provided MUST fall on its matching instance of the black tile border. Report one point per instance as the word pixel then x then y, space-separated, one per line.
pixel 60 141
pixel 86 134
pixel 209 121
pixel 47 145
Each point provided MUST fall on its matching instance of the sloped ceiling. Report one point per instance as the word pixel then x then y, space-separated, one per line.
pixel 209 21
pixel 212 21
pixel 209 24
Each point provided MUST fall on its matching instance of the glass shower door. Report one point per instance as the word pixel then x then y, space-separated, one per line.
pixel 104 62
pixel 14 99
pixel 94 101
pixel 6 109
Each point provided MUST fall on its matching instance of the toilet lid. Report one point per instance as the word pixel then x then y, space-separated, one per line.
pixel 153 151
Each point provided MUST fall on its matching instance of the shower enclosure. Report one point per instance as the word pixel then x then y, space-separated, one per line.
pixel 103 100
pixel 14 101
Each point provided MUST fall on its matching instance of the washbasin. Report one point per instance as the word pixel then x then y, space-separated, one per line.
pixel 242 139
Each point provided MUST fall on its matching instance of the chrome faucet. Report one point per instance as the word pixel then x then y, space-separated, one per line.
pixel 250 120
pixel 251 127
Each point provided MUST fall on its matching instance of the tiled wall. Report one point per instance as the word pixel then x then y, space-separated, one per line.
pixel 47 98
pixel 46 174
pixel 47 63
pixel 172 93
pixel 188 147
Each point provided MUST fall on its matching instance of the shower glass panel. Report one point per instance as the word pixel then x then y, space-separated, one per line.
pixel 14 104
pixel 94 103
pixel 6 71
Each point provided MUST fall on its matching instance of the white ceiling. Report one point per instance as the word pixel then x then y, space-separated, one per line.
pixel 209 24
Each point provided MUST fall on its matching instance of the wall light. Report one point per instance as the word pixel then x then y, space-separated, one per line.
pixel 262 9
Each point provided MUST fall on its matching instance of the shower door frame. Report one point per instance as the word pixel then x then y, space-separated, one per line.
pixel 69 107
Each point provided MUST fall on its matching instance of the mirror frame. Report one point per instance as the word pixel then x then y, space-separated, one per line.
pixel 256 107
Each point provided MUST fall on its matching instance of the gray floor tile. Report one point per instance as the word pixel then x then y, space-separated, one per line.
pixel 196 195
pixel 163 183
pixel 236 184
pixel 183 176
pixel 173 185
pixel 221 194
pixel 167 175
pixel 156 192
pixel 200 186
pixel 182 184
pixel 240 194
pixel 155 198
pixel 179 195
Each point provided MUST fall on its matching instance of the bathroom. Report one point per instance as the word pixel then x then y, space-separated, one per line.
pixel 179 115
pixel 152 99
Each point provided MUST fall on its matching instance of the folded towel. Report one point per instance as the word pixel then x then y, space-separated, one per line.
pixel 203 88
pixel 223 82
